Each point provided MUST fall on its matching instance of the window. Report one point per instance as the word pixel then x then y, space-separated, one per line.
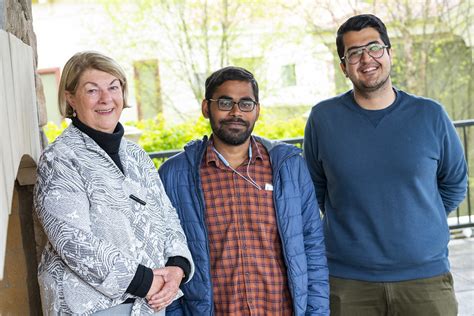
pixel 288 75
pixel 147 88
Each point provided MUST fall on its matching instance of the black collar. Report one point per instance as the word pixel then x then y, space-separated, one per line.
pixel 109 142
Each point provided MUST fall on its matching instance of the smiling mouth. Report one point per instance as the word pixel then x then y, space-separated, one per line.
pixel 368 70
pixel 104 111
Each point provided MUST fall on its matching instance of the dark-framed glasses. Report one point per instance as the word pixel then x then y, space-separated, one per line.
pixel 375 50
pixel 245 105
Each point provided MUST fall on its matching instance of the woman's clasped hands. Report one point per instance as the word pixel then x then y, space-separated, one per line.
pixel 165 286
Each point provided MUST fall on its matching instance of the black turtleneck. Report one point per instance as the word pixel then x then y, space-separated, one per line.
pixel 109 142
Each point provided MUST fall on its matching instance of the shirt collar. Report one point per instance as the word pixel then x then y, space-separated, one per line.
pixel 211 155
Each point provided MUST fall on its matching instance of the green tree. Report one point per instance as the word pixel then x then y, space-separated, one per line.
pixel 192 37
pixel 431 40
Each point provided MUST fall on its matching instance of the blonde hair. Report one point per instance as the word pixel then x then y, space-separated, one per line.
pixel 74 69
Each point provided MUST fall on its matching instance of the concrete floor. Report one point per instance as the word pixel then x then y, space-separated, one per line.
pixel 461 254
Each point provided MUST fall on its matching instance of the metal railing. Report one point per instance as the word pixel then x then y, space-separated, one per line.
pixel 462 217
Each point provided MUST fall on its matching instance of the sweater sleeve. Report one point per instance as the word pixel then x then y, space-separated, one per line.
pixel 141 282
pixel 452 167
pixel 310 146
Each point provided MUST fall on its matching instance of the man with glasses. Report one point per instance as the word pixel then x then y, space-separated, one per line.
pixel 248 208
pixel 388 167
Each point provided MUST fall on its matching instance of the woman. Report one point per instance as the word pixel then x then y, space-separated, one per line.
pixel 115 244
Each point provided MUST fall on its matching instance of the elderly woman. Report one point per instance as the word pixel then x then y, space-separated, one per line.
pixel 115 244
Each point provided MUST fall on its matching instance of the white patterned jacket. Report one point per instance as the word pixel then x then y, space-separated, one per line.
pixel 97 235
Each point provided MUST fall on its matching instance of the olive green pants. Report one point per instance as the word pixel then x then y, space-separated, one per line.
pixel 421 297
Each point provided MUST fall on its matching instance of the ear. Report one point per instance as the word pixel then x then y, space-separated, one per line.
pixel 257 111
pixel 70 99
pixel 343 68
pixel 205 108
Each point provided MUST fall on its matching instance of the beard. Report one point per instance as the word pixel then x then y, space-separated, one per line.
pixel 371 86
pixel 228 135
pixel 367 86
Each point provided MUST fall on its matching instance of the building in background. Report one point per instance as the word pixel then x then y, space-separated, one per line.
pixel 291 73
pixel 168 48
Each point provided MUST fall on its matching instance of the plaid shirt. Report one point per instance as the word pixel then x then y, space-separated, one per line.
pixel 248 271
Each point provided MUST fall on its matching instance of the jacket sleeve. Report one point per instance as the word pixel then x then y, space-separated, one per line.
pixel 318 274
pixel 452 167
pixel 175 309
pixel 175 239
pixel 63 208
pixel 310 145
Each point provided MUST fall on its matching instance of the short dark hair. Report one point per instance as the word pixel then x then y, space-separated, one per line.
pixel 357 23
pixel 229 73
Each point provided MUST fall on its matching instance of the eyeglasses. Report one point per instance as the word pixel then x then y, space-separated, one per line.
pixel 228 104
pixel 374 50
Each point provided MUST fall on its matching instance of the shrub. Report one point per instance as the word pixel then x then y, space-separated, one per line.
pixel 51 130
pixel 158 136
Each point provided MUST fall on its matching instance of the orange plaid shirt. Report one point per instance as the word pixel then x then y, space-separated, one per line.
pixel 248 271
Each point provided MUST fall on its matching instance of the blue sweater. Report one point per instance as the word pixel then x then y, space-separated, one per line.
pixel 298 219
pixel 385 185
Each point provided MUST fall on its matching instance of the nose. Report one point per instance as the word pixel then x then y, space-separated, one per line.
pixel 105 96
pixel 365 56
pixel 235 111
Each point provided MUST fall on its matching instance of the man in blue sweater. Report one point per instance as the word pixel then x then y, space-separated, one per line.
pixel 388 167
pixel 249 212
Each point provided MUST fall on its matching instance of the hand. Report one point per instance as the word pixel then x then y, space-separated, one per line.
pixel 156 285
pixel 172 277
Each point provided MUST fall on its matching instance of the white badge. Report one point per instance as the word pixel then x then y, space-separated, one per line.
pixel 268 187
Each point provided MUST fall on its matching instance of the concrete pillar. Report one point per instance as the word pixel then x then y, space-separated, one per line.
pixel 2 15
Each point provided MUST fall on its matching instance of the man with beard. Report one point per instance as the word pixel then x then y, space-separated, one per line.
pixel 388 167
pixel 248 208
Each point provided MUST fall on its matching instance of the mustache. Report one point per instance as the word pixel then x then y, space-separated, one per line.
pixel 372 63
pixel 235 120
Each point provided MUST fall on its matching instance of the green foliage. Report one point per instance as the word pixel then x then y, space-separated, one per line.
pixel 273 126
pixel 158 136
pixel 51 130
pixel 418 71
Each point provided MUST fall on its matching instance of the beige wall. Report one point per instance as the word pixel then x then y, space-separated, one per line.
pixel 18 124
pixel 20 142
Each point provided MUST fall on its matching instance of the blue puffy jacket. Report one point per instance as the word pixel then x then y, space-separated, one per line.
pixel 298 221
